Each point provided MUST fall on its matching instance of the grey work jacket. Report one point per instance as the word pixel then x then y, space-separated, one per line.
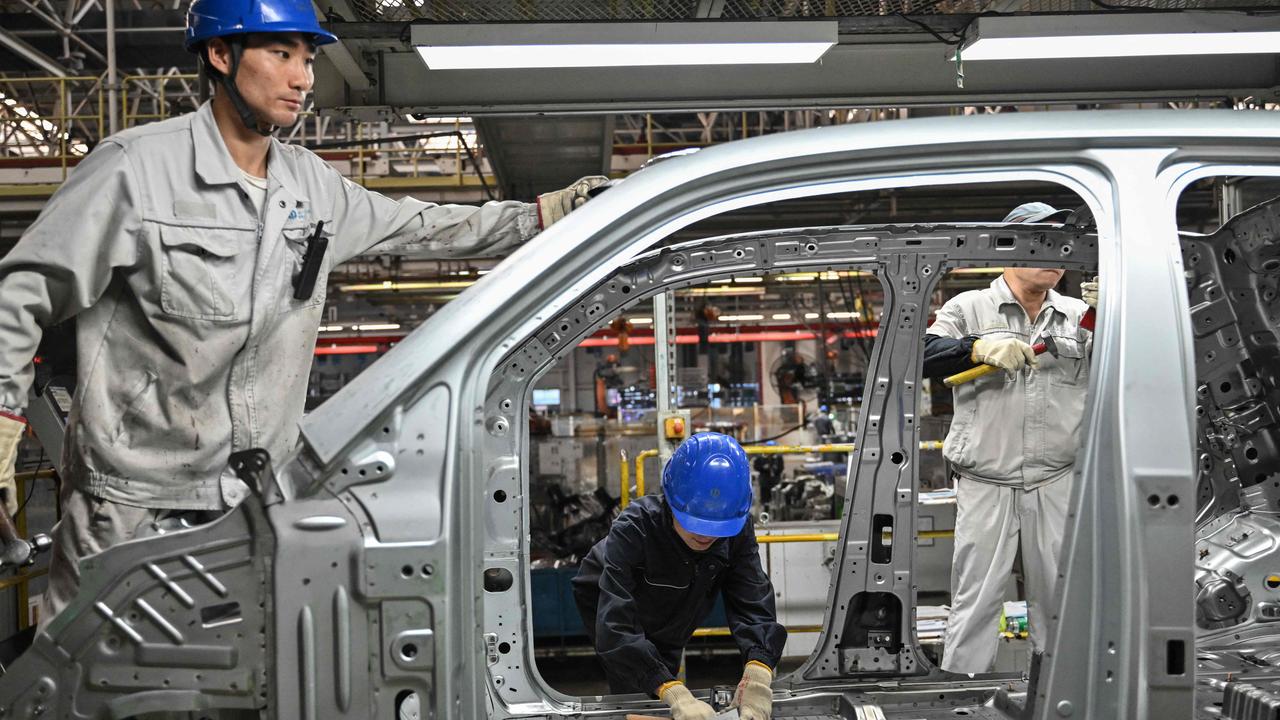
pixel 1022 430
pixel 190 344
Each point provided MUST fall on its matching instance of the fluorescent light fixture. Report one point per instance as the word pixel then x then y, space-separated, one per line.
pixel 811 316
pixel 739 318
pixel 1121 35
pixel 641 320
pixel 376 326
pixel 585 45
pixel 782 316
pixel 330 328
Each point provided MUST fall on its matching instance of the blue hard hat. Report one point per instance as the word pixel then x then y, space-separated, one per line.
pixel 707 482
pixel 218 18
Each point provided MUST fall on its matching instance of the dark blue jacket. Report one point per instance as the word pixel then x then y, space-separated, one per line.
pixel 642 592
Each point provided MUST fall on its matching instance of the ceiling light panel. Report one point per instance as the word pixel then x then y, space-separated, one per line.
pixel 1121 35
pixel 554 45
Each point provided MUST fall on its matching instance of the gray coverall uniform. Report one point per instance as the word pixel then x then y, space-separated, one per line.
pixel 1012 445
pixel 190 344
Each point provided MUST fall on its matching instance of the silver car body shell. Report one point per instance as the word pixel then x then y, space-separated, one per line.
pixel 386 555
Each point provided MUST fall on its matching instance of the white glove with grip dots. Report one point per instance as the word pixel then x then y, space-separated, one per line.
pixel 11 427
pixel 553 206
pixel 1089 291
pixel 754 698
pixel 684 706
pixel 1008 354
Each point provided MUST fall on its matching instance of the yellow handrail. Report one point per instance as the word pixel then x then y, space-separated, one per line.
pixel 757 450
pixel 724 631
pixel 832 537
pixel 626 481
pixel 640 458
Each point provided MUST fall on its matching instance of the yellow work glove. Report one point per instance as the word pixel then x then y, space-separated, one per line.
pixel 11 427
pixel 555 205
pixel 1008 354
pixel 684 706
pixel 754 698
pixel 1089 291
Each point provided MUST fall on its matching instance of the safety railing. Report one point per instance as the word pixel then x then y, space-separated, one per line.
pixel 49 121
pixel 38 134
pixel 769 539
pixel 751 450
pixel 155 93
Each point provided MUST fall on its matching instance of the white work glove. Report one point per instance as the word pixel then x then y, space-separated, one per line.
pixel 1089 291
pixel 754 698
pixel 684 706
pixel 11 427
pixel 555 205
pixel 1008 354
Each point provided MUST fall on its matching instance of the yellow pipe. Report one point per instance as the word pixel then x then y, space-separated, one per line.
pixel 766 450
pixel 724 631
pixel 626 481
pixel 22 579
pixel 833 448
pixel 20 524
pixel 832 537
pixel 797 449
pixel 812 537
pixel 640 458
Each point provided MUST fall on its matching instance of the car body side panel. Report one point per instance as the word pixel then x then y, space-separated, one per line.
pixel 1124 629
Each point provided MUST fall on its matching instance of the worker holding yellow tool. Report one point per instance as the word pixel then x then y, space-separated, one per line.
pixel 1012 443
pixel 644 588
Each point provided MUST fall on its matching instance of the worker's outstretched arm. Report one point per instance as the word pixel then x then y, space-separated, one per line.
pixel 368 222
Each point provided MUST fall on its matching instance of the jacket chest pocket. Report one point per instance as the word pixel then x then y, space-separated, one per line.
pixel 1070 367
pixel 298 239
pixel 206 274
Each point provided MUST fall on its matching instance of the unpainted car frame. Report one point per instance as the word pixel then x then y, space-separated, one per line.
pixel 385 558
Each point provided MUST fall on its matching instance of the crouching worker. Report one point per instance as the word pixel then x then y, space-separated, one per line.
pixel 644 588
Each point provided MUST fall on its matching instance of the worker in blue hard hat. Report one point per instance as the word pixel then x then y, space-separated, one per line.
pixel 644 588
pixel 195 253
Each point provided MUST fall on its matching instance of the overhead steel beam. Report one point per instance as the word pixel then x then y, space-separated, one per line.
pixel 63 30
pixel 30 54
pixel 885 62
pixel 343 61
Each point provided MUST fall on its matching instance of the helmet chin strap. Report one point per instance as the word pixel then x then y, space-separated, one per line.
pixel 247 116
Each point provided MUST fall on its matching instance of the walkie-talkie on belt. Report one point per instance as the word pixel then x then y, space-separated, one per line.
pixel 305 283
